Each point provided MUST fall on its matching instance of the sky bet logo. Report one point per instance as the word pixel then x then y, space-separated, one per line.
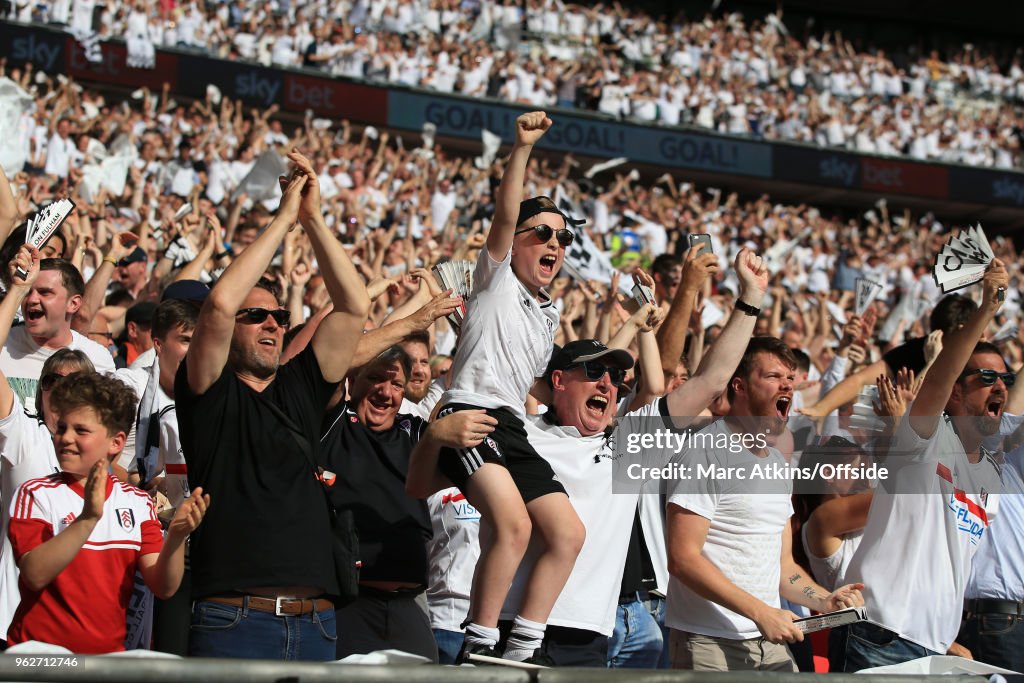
pixel 1005 188
pixel 42 53
pixel 834 168
pixel 250 85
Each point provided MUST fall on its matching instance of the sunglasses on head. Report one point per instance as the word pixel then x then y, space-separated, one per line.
pixel 47 381
pixel 565 235
pixel 257 316
pixel 989 376
pixel 595 371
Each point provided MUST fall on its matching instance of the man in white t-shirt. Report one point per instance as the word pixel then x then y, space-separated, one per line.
pixel 917 550
pixel 48 310
pixel 729 540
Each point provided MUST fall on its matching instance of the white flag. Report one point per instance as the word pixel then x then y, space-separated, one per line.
pixel 261 181
pixel 604 166
pixel 492 143
pixel 429 131
pixel 866 293
pixel 584 261
pixel 14 102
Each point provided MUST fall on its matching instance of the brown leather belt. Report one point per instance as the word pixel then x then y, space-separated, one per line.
pixel 277 606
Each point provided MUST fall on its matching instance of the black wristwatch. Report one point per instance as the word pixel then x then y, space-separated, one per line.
pixel 747 308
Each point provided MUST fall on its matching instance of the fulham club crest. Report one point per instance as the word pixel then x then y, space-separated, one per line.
pixel 126 518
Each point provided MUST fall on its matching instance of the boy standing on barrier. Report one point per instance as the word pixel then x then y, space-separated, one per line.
pixel 729 545
pixel 504 347
pixel 925 524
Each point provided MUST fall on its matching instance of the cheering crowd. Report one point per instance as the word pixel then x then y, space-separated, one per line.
pixel 276 368
pixel 721 73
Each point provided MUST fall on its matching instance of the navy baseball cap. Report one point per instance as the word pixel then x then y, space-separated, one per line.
pixel 135 256
pixel 584 350
pixel 186 290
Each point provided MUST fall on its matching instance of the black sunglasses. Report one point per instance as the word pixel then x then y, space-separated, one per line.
pixel 257 316
pixel 565 235
pixel 989 377
pixel 595 371
pixel 47 381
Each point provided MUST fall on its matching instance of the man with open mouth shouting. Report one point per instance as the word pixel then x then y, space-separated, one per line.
pixel 930 517
pixel 729 536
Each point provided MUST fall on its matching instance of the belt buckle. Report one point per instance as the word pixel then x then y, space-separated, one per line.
pixel 277 607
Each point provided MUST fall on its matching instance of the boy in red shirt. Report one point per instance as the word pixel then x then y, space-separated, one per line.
pixel 80 535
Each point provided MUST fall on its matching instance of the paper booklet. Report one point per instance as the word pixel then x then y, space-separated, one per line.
pixel 41 228
pixel 866 292
pixel 819 622
pixel 458 277
pixel 963 260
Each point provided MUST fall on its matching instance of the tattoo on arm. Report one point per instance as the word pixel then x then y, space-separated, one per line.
pixel 796 577
pixel 810 592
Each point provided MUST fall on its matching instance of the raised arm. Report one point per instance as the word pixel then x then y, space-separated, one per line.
pixel 672 335
pixel 163 571
pixel 8 208
pixel 335 341
pixel 652 376
pixel 96 288
pixel 208 352
pixel 957 348
pixel 375 341
pixel 27 259
pixel 529 129
pixel 846 390
pixel 721 360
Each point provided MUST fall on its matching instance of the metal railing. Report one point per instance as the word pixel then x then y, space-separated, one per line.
pixel 198 670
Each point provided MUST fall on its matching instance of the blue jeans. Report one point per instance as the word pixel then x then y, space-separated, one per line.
pixel 448 645
pixel 868 645
pixel 996 639
pixel 656 606
pixel 225 631
pixel 636 642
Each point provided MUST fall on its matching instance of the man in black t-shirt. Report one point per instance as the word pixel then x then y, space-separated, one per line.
pixel 248 428
pixel 367 444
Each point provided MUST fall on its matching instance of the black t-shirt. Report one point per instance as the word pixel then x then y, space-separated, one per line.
pixel 638 574
pixel 268 523
pixel 910 354
pixel 371 469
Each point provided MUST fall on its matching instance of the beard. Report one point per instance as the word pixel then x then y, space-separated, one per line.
pixel 253 362
pixel 417 392
pixel 987 425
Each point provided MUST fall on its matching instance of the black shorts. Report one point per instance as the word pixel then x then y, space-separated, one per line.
pixel 508 446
